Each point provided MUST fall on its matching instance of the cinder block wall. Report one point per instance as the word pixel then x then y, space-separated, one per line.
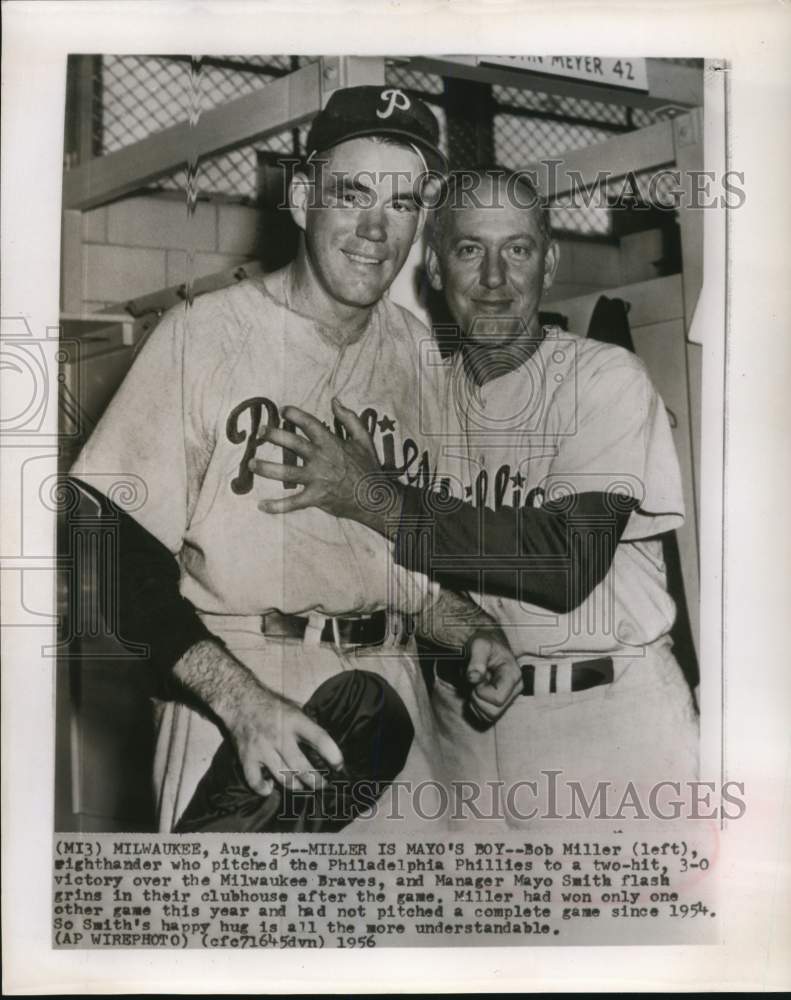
pixel 141 245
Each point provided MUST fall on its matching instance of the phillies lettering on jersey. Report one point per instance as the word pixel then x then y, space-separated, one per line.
pixel 221 373
pixel 503 490
pixel 414 465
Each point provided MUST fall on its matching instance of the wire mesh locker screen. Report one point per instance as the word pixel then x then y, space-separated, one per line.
pixel 136 96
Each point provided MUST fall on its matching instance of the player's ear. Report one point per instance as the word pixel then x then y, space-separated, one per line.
pixel 299 193
pixel 433 269
pixel 551 261
pixel 430 191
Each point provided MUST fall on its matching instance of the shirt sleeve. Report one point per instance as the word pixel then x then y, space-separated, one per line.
pixel 143 465
pixel 617 439
pixel 137 454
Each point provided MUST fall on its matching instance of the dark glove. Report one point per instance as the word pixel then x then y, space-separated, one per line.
pixel 369 722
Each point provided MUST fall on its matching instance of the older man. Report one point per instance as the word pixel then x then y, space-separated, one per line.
pixel 563 464
pixel 282 604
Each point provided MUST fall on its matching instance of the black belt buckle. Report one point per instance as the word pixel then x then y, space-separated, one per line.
pixel 584 674
pixel 367 631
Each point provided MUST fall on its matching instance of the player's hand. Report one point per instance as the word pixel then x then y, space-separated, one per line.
pixel 337 475
pixel 494 675
pixel 266 730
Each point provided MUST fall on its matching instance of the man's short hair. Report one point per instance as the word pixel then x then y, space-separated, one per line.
pixel 463 190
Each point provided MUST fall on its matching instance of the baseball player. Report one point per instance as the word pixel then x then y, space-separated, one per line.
pixel 561 458
pixel 282 601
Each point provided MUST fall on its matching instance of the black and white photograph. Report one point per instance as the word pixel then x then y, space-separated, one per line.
pixel 374 471
pixel 306 526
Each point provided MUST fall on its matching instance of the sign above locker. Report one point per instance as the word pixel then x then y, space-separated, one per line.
pixel 630 74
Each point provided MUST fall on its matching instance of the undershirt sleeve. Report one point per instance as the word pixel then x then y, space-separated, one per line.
pixel 552 556
pixel 147 605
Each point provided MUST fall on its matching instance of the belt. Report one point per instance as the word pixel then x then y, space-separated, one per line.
pixel 584 674
pixel 369 630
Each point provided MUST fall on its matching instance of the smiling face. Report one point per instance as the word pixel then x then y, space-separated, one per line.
pixel 359 223
pixel 493 261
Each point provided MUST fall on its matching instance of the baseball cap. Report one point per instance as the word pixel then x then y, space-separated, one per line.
pixel 356 112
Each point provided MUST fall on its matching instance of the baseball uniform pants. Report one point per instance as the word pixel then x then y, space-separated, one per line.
pixel 640 728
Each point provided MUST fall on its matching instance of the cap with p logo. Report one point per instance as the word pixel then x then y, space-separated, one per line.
pixel 395 99
pixel 356 112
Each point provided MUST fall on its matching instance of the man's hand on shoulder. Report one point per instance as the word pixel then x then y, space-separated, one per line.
pixel 266 729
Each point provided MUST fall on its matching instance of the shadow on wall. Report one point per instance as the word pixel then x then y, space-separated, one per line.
pixel 277 235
